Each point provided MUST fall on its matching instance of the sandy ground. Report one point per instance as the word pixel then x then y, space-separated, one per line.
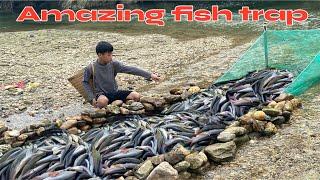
pixel 51 56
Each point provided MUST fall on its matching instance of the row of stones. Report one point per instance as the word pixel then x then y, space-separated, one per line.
pixel 147 105
pixel 92 118
pixel 182 163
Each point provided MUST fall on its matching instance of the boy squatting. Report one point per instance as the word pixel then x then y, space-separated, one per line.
pixel 105 85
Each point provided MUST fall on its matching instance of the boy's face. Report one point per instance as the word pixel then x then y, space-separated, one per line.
pixel 105 57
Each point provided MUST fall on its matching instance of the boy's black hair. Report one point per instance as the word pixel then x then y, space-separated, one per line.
pixel 103 47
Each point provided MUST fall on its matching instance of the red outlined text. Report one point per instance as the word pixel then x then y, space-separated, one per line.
pixel 156 16
pixel 150 17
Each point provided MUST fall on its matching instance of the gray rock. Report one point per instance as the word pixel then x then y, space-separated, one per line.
pixel 99 120
pixel 184 175
pixel 68 124
pixel 271 111
pixel 4 148
pixel 22 108
pixel 270 129
pixel 182 166
pixel 47 122
pixel 22 137
pixel 176 155
pixel 163 171
pixel 280 105
pixel 124 111
pixel 296 103
pixel 156 160
pixel 156 101
pixel 195 160
pixel 241 139
pixel 258 126
pixel 40 131
pixel 235 124
pixel 278 120
pixel 144 170
pixel 113 109
pixel 221 151
pixel 226 136
pixel 238 131
pixel 176 91
pixel 288 106
pixel 148 106
pixel 135 106
pixel 201 170
pixel 203 156
pixel 170 99
pixel 14 133
pixel 117 103
pixel 9 139
pixel 130 178
pixel 129 102
pixel 284 97
pixel 99 113
pixel 73 130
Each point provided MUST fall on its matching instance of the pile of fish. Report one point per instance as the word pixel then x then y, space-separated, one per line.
pixel 228 100
pixel 120 146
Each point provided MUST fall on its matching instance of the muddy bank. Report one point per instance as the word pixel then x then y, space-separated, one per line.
pixel 49 57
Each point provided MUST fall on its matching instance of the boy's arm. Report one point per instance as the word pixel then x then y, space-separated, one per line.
pixel 121 68
pixel 85 82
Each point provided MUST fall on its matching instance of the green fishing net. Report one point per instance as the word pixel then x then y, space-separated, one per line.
pixel 292 50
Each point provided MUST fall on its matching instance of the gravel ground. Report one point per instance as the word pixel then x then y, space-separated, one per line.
pixel 51 56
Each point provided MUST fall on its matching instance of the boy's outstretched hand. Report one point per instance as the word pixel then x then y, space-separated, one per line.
pixel 155 77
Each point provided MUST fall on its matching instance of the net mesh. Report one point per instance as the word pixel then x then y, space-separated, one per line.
pixel 292 50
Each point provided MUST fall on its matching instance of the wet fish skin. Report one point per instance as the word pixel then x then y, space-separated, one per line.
pixel 63 175
pixel 48 159
pixel 33 172
pixel 130 153
pixel 97 162
pixel 128 160
pixel 15 164
pixel 78 151
pixel 146 141
pixel 57 166
pixel 110 148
